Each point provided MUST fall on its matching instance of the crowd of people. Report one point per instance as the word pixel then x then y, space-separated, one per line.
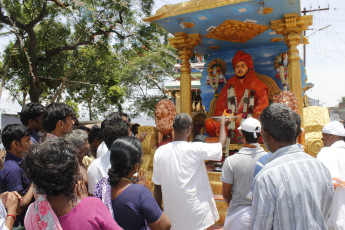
pixel 44 178
pixel 57 175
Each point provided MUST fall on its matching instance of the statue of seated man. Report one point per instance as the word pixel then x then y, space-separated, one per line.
pixel 244 95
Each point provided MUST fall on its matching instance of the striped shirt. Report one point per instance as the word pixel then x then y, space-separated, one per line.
pixel 292 191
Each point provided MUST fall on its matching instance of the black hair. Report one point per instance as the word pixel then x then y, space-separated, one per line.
pixel 95 132
pixel 125 154
pixel 76 121
pixel 298 125
pixel 55 112
pixel 111 116
pixel 53 167
pixel 182 121
pixel 279 121
pixel 134 128
pixel 13 132
pixel 31 111
pixel 113 129
pixel 102 124
pixel 126 115
pixel 249 136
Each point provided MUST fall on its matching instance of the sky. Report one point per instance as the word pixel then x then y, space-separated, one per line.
pixel 325 56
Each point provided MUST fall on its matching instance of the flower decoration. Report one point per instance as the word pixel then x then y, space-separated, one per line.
pixel 281 65
pixel 248 104
pixel 216 70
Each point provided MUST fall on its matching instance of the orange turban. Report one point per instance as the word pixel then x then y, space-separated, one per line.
pixel 243 56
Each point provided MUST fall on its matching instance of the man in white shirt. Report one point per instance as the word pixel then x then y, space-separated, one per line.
pixel 103 149
pixel 333 157
pixel 180 175
pixel 114 127
pixel 238 174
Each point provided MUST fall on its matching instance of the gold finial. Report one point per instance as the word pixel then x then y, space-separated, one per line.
pixel 213 47
pixel 188 24
pixel 267 10
pixel 278 39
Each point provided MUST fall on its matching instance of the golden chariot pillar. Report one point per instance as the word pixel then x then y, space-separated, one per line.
pixel 185 44
pixel 291 27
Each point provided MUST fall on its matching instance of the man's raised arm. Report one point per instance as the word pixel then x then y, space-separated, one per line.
pixel 223 134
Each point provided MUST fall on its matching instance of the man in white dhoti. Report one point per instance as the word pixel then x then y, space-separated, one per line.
pixel 333 156
pixel 238 174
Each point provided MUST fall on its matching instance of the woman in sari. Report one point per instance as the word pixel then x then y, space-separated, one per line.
pixel 132 205
pixel 79 139
pixel 53 168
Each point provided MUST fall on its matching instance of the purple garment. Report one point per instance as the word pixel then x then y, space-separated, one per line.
pixel 103 192
pixel 35 137
pixel 90 213
pixel 135 207
pixel 13 178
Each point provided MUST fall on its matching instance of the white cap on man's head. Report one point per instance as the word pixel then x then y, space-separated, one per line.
pixel 251 125
pixel 334 128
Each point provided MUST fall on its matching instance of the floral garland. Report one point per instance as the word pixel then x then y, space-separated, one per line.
pixel 210 77
pixel 281 64
pixel 248 105
pixel 215 72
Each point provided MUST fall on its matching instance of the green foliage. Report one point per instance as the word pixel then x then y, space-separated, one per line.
pixel 74 106
pixel 145 74
pixel 96 83
pixel 97 53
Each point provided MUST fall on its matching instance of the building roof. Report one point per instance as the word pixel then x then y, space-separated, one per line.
pixel 175 85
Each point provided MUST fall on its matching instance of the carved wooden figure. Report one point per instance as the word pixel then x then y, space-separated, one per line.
pixel 164 116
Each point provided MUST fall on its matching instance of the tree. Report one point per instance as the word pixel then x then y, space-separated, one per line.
pixel 50 32
pixel 107 76
pixel 97 83
pixel 146 73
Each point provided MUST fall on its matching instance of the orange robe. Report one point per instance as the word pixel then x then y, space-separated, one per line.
pixel 250 82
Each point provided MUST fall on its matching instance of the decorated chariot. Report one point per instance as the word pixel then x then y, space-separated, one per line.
pixel 267 34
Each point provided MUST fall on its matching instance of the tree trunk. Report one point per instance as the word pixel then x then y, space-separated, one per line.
pixel 2 84
pixel 59 92
pixel 90 110
pixel 35 84
pixel 3 79
pixel 25 93
pixel 35 91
